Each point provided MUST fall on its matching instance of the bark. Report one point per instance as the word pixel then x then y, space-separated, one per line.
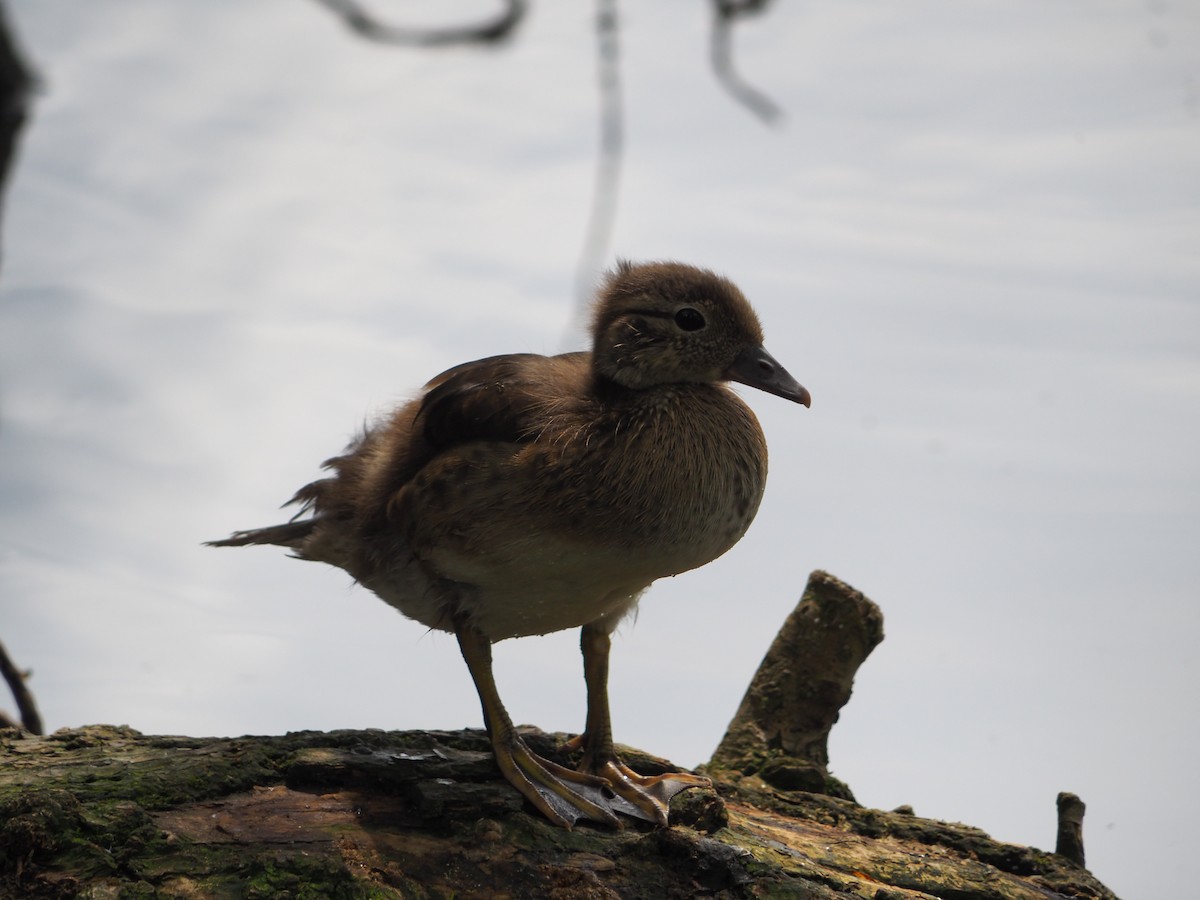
pixel 105 811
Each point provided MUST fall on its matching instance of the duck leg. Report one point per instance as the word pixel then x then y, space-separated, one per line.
pixel 562 795
pixel 648 795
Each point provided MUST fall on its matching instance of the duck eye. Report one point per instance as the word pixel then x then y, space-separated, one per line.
pixel 689 319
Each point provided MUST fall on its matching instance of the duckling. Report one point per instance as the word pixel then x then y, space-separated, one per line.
pixel 523 494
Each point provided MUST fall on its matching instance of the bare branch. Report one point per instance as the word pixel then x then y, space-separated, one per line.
pixel 608 162
pixel 367 26
pixel 30 720
pixel 16 84
pixel 725 13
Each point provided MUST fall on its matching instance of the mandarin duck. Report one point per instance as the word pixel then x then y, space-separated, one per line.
pixel 523 494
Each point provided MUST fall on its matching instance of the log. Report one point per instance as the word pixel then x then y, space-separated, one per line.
pixel 104 811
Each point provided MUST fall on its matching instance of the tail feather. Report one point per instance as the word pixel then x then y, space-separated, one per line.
pixel 290 534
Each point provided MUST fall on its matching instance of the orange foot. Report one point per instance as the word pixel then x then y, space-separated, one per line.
pixel 641 796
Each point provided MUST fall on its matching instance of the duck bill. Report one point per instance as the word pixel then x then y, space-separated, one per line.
pixel 759 369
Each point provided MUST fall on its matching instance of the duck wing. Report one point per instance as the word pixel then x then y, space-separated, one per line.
pixel 501 398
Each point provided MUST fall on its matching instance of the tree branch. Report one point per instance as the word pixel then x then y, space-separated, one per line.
pixel 608 161
pixel 31 721
pixel 367 26
pixel 725 13
pixel 16 84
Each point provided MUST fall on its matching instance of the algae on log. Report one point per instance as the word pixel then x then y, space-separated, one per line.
pixel 107 812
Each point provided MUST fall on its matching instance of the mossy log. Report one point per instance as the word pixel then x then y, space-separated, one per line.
pixel 107 812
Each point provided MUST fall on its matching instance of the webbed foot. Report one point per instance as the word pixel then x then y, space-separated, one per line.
pixel 646 796
pixel 599 794
pixel 563 795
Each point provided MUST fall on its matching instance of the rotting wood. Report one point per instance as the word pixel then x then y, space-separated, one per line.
pixel 780 733
pixel 106 811
pixel 101 810
pixel 1070 827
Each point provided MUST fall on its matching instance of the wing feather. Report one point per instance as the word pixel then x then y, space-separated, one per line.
pixel 501 398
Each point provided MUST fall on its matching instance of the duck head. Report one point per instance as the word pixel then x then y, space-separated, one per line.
pixel 669 323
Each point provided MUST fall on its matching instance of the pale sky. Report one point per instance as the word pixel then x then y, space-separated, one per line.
pixel 234 232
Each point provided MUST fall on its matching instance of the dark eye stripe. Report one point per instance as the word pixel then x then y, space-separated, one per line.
pixel 651 313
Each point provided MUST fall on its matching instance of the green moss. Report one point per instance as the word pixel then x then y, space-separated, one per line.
pixel 432 818
pixel 35 823
pixel 303 878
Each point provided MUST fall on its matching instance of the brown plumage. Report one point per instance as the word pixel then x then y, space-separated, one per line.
pixel 526 494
